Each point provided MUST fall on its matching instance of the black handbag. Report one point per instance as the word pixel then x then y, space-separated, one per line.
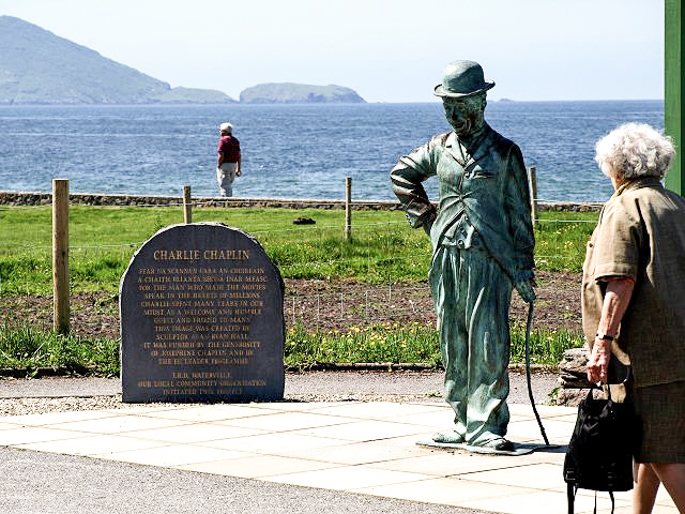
pixel 600 454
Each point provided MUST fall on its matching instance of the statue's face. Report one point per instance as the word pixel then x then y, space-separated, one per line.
pixel 464 114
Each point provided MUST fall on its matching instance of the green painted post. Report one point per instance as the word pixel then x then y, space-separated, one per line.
pixel 674 82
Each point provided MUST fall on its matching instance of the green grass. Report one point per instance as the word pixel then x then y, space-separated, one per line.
pixel 561 239
pixel 394 343
pixel 383 249
pixel 546 346
pixel 23 347
pixel 410 343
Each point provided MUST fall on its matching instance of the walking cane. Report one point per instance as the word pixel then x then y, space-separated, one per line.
pixel 530 387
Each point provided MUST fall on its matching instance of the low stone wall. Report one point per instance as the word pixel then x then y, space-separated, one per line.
pixel 24 198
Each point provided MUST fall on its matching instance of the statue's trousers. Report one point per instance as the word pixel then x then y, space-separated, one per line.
pixel 471 296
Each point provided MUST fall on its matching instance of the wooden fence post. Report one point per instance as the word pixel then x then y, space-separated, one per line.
pixel 348 208
pixel 60 255
pixel 533 187
pixel 187 206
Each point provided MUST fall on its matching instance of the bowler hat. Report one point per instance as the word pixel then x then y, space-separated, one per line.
pixel 462 78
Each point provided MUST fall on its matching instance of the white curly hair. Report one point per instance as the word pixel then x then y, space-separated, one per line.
pixel 634 150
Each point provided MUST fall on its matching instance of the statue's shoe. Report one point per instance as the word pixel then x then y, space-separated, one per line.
pixel 449 437
pixel 493 442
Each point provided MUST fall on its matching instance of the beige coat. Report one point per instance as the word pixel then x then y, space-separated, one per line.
pixel 641 235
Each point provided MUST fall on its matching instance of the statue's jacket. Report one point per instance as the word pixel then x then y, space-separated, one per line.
pixel 483 182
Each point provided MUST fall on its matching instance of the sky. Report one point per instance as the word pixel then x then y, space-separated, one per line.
pixel 386 50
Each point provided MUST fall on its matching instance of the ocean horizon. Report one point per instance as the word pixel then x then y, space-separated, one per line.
pixel 292 150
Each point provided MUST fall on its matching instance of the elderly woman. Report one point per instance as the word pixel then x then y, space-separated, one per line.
pixel 633 299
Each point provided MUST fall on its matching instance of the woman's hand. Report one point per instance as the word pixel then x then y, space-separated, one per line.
pixel 598 364
pixel 619 290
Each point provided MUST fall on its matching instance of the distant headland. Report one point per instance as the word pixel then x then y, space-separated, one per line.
pixel 33 64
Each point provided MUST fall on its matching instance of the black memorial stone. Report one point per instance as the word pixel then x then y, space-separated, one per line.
pixel 201 318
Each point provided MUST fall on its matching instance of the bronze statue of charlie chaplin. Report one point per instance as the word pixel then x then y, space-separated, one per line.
pixel 483 243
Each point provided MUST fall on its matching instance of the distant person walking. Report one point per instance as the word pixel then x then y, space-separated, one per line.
pixel 228 165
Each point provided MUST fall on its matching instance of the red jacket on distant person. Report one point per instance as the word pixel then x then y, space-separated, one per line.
pixel 229 149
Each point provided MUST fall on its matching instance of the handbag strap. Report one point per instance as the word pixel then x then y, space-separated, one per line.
pixel 599 388
pixel 611 495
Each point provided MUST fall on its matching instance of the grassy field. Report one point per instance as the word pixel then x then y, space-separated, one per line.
pixel 22 347
pixel 383 249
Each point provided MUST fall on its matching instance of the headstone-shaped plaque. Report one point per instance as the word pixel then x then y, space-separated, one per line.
pixel 201 318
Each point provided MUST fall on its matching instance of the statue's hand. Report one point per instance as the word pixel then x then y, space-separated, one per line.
pixel 428 222
pixel 526 289
pixel 427 226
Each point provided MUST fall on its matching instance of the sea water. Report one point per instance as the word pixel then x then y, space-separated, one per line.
pixel 290 151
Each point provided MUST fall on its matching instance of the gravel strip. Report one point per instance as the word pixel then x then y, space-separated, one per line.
pixel 22 397
pixel 26 406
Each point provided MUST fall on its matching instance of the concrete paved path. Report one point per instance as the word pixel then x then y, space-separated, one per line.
pixel 361 448
pixel 292 456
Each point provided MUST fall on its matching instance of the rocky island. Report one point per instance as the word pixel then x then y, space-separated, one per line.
pixel 289 93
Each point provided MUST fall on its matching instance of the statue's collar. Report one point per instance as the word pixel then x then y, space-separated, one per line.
pixel 469 150
pixel 470 140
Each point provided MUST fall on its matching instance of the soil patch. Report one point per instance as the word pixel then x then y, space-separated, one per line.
pixel 318 304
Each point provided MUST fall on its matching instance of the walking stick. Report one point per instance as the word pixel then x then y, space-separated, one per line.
pixel 530 387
